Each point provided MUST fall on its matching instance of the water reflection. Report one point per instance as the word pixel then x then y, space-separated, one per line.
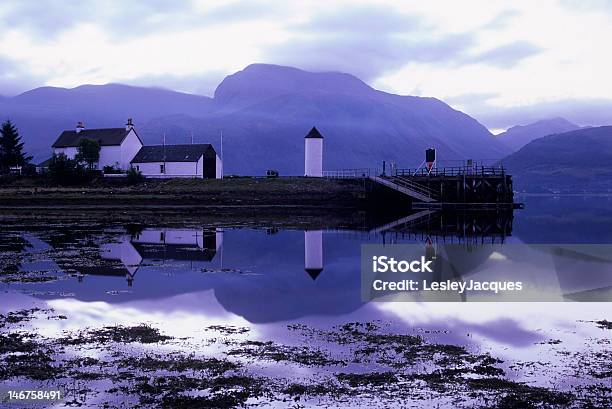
pixel 183 279
pixel 267 275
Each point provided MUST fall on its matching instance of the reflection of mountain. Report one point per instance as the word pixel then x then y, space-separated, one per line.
pixel 584 271
pixel 565 219
pixel 261 277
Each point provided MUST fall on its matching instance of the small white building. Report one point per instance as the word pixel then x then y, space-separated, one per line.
pixel 178 161
pixel 118 146
pixel 313 153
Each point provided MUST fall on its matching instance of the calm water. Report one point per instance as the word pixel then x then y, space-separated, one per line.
pixel 182 279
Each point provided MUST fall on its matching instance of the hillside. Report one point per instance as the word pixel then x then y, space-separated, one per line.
pixel 43 113
pixel 520 135
pixel 264 112
pixel 576 161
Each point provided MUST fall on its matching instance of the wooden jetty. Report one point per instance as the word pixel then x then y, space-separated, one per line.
pixel 459 187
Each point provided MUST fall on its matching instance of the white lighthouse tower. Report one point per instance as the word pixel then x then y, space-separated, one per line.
pixel 313 154
pixel 313 252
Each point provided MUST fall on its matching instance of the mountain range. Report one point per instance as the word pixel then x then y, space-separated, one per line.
pixel 575 161
pixel 518 136
pixel 264 111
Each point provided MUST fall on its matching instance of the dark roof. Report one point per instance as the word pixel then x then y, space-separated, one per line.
pixel 106 137
pixel 171 153
pixel 314 133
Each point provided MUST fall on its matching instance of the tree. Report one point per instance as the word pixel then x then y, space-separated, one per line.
pixel 89 152
pixel 66 171
pixel 134 176
pixel 11 148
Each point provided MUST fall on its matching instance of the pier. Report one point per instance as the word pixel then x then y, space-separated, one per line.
pixel 468 186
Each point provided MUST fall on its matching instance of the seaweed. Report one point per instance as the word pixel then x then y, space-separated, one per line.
pixel 144 334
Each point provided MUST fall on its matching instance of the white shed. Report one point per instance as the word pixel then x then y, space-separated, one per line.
pixel 178 161
pixel 118 146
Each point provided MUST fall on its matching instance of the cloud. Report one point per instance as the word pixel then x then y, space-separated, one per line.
pixel 120 19
pixel 366 41
pixel 13 79
pixel 47 19
pixel 502 20
pixel 472 99
pixel 371 41
pixel 200 84
pixel 506 56
pixel 588 5
pixel 582 111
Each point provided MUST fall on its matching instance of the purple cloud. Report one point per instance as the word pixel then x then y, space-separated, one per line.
pixel 585 111
pixel 506 56
pixel 367 42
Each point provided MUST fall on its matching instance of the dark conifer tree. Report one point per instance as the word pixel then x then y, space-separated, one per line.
pixel 11 148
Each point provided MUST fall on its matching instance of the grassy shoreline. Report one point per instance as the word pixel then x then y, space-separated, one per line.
pixel 233 192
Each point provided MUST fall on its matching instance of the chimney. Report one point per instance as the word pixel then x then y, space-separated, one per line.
pixel 129 125
pixel 79 127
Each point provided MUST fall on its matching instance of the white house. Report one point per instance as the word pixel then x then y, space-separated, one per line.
pixel 118 146
pixel 178 161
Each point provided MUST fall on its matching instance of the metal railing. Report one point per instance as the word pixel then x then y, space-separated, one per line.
pixel 454 171
pixel 358 173
pixel 364 173
pixel 417 187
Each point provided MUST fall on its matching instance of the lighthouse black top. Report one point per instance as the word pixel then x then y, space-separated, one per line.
pixel 314 133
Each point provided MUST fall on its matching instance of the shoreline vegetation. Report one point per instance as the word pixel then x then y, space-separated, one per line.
pixel 247 192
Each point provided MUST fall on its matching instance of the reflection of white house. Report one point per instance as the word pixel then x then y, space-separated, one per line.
pixel 177 244
pixel 123 252
pixel 174 161
pixel 118 146
pixel 313 253
pixel 169 245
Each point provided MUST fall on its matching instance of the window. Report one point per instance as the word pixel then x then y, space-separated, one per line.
pixel 162 168
pixel 137 168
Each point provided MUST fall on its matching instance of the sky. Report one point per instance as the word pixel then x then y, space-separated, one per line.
pixel 503 62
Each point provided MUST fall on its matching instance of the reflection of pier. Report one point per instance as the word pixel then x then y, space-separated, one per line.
pixel 401 222
pixel 460 226
pixel 470 227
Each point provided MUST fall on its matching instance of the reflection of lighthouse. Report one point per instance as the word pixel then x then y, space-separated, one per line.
pixel 313 154
pixel 313 253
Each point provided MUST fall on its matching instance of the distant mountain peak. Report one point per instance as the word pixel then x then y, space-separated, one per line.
pixel 573 161
pixel 552 122
pixel 520 135
pixel 265 110
pixel 258 82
